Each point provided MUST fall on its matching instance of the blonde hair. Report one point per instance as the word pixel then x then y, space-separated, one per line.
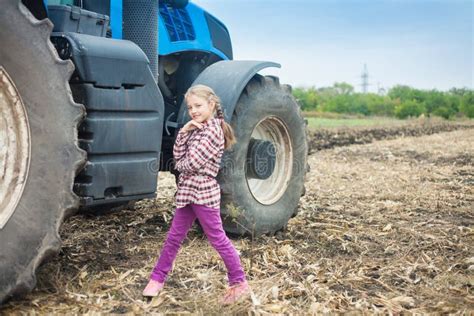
pixel 210 96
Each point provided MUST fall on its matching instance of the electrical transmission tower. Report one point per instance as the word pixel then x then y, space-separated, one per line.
pixel 365 79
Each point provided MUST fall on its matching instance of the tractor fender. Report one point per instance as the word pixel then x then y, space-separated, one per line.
pixel 228 79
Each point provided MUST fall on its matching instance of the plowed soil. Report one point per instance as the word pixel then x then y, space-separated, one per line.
pixel 325 138
pixel 386 226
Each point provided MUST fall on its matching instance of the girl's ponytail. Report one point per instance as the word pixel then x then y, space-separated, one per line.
pixel 229 135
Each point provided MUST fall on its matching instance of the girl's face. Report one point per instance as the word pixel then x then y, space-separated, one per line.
pixel 199 108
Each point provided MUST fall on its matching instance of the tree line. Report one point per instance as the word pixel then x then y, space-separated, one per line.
pixel 400 101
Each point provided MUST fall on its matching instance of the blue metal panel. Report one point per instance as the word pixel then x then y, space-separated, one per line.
pixel 202 37
pixel 177 23
pixel 116 10
pixel 202 41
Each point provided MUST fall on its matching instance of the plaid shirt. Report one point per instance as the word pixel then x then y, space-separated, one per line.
pixel 197 157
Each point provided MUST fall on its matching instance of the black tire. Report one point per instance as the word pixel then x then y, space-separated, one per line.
pixel 40 78
pixel 244 210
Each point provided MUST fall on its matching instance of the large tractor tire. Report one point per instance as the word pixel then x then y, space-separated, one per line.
pixel 262 176
pixel 38 146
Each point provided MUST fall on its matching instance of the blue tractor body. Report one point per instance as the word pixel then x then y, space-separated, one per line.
pixel 181 29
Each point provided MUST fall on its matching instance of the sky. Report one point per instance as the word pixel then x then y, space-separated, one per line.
pixel 425 44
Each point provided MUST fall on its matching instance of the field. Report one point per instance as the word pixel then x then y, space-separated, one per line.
pixel 318 122
pixel 386 225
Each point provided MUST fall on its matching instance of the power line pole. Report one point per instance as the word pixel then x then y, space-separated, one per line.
pixel 380 89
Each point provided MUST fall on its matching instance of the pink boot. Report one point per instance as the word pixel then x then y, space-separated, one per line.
pixel 153 288
pixel 235 293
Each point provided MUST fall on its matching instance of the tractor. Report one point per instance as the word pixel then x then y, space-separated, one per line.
pixel 91 100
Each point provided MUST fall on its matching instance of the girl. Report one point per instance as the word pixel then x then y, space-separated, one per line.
pixel 197 152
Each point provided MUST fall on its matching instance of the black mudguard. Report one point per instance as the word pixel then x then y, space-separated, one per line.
pixel 122 132
pixel 228 79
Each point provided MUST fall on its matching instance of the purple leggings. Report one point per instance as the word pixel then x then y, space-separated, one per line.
pixel 210 220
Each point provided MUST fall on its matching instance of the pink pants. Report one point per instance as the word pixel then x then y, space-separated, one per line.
pixel 210 220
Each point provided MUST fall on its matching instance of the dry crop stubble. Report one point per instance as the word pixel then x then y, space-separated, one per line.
pixel 386 226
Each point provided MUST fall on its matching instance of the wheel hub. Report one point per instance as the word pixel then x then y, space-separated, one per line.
pixel 270 160
pixel 261 158
pixel 14 147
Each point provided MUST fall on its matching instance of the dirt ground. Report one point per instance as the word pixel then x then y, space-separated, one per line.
pixel 383 227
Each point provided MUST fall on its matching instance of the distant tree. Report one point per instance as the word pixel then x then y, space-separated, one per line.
pixel 360 104
pixel 308 98
pixel 434 100
pixel 406 93
pixel 409 109
pixel 402 101
pixel 337 104
pixel 380 105
pixel 400 92
pixel 466 106
pixel 343 88
pixel 459 91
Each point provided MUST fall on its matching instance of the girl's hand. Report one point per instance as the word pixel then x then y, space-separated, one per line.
pixel 191 125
